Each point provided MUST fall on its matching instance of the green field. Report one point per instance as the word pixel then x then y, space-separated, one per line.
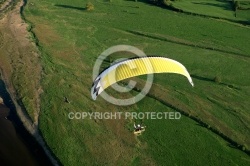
pixel 215 52
pixel 222 9
pixel 208 7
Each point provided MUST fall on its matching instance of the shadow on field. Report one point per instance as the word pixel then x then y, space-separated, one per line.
pixel 202 78
pixel 71 7
pixel 225 6
pixel 214 81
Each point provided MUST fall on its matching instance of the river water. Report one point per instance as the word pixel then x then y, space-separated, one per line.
pixel 17 146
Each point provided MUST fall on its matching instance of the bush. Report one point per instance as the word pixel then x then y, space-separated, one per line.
pixel 217 79
pixel 167 2
pixel 89 6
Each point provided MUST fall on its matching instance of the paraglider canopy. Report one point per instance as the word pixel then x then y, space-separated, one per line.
pixel 144 65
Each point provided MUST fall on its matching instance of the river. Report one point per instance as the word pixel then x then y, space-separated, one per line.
pixel 17 146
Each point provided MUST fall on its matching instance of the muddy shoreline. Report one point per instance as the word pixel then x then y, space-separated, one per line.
pixel 15 140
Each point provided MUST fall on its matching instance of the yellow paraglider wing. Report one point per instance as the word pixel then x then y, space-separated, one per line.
pixel 135 67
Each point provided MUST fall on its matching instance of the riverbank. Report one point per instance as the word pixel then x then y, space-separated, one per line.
pixel 1 101
pixel 19 57
pixel 15 141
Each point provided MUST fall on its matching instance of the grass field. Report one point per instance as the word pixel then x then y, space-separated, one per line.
pixel 209 7
pixel 214 8
pixel 71 38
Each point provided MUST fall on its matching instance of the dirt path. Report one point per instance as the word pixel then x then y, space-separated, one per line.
pixel 21 71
